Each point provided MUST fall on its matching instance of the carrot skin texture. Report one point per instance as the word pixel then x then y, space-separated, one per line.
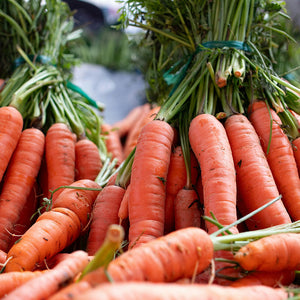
pixel 11 125
pixel 176 180
pixel 273 253
pixel 105 213
pixel 187 213
pixel 49 235
pixel 132 137
pixel 211 147
pixel 255 182
pixel 12 280
pixel 166 259
pixel 280 157
pixel 162 291
pixel 113 143
pixel 60 157
pixel 25 220
pixel 54 229
pixel 128 122
pixel 79 201
pixel 272 279
pixel 50 282
pixel 87 160
pixel 20 178
pixel 146 204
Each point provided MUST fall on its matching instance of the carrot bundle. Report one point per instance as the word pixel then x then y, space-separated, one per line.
pixel 211 147
pixel 54 229
pixel 255 183
pixel 146 204
pixel 279 153
pixel 19 181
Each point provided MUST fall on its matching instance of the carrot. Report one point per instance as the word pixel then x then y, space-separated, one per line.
pixel 105 213
pixel 255 182
pixel 60 157
pixel 133 134
pixel 186 209
pixel 176 180
pixel 87 160
pixel 146 204
pixel 51 281
pixel 280 156
pixel 296 151
pixel 26 216
pixel 273 253
pixel 210 145
pixel 3 256
pixel 128 122
pixel 162 291
pixel 272 279
pixel 19 180
pixel 123 208
pixel 54 229
pixel 113 143
pixel 12 280
pixel 11 125
pixel 168 258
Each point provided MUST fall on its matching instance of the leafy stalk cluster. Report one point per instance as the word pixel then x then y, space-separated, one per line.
pixel 217 56
pixel 35 39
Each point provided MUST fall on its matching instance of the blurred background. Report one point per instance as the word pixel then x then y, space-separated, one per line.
pixel 112 70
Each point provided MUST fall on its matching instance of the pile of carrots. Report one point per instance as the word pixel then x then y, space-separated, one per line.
pixel 182 235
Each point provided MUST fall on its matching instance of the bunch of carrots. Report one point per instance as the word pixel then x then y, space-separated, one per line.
pixel 202 198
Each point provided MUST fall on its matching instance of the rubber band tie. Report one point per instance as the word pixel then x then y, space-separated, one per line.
pixel 175 78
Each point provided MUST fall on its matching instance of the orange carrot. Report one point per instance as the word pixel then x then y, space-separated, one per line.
pixel 176 180
pixel 123 209
pixel 210 145
pixel 276 252
pixel 133 134
pixel 187 212
pixel 113 143
pixel 11 124
pixel 3 256
pixel 10 281
pixel 168 258
pixel 26 216
pixel 162 291
pixel 272 279
pixel 105 213
pixel 60 157
pixel 87 160
pixel 279 155
pixel 146 204
pixel 19 180
pixel 55 229
pixel 51 281
pixel 255 182
pixel 128 122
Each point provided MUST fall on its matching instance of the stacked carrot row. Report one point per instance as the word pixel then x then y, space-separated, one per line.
pixel 233 170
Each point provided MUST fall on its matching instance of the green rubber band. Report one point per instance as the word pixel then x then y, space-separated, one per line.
pixel 225 44
pixel 78 90
pixel 36 58
pixel 175 78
